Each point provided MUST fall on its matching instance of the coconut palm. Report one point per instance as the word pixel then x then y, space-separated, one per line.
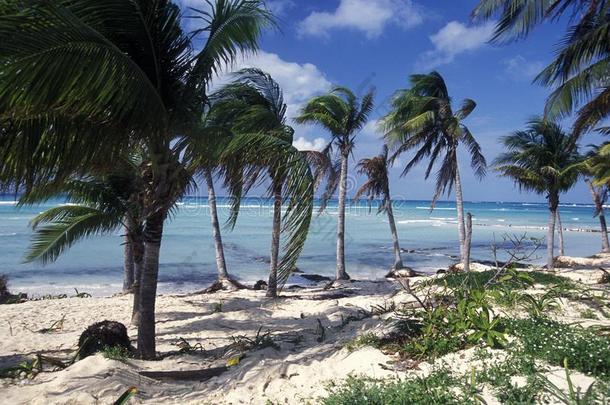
pixel 378 185
pixel 342 114
pixel 253 105
pixel 97 205
pixel 579 72
pixel 96 74
pixel 544 159
pixel 422 119
pixel 204 147
pixel 597 168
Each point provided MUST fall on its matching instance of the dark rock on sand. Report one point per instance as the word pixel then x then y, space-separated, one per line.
pixel 401 273
pixel 316 278
pixel 260 285
pixel 103 334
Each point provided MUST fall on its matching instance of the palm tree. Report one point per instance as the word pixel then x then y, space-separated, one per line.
pixel 378 185
pixel 422 118
pixel 342 114
pixel 597 168
pixel 579 72
pixel 97 206
pixel 97 74
pixel 544 159
pixel 253 105
pixel 204 147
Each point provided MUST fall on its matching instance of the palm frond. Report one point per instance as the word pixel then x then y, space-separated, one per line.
pixel 65 225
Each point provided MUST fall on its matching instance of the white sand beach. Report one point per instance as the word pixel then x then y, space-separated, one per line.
pixel 309 326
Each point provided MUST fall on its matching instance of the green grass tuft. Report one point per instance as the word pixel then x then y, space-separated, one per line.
pixel 438 388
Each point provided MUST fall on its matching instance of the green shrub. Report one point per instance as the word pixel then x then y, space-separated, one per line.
pixel 438 388
pixel 116 353
pixel 465 319
pixel 512 279
pixel 367 339
pixel 554 341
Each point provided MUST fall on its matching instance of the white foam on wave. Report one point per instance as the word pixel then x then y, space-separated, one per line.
pixel 9 234
pixel 8 202
pixel 422 221
pixel 436 208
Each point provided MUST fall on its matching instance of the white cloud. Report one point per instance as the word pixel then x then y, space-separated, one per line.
pixel 520 69
pixel 299 82
pixel 371 130
pixel 304 144
pixel 368 16
pixel 454 39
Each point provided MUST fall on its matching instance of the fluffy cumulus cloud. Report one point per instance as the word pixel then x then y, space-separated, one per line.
pixel 371 129
pixel 299 82
pixel 368 16
pixel 454 39
pixel 520 69
pixel 301 143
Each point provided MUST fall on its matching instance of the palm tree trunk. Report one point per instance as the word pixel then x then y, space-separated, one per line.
pixel 550 238
pixel 221 265
pixel 128 265
pixel 599 209
pixel 341 273
pixel 560 229
pixel 138 262
pixel 397 257
pixel 459 205
pixel 153 233
pixel 468 236
pixel 275 239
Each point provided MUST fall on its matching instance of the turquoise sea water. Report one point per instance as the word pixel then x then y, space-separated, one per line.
pixel 187 255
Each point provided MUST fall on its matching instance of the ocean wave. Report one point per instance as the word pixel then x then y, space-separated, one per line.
pixel 423 221
pixel 9 234
pixel 436 208
pixel 8 202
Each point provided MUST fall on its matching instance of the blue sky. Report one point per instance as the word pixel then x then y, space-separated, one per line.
pixel 363 43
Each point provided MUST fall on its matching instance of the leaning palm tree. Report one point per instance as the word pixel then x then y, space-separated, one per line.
pixel 253 105
pixel 342 114
pixel 97 74
pixel 378 185
pixel 579 72
pixel 597 172
pixel 422 119
pixel 544 159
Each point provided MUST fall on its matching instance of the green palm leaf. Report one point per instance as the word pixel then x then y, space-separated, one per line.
pixel 67 224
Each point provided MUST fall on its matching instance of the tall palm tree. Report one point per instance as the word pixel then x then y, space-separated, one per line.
pixel 253 105
pixel 342 114
pixel 98 73
pixel 378 185
pixel 422 118
pixel 204 147
pixel 579 72
pixel 597 170
pixel 544 159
